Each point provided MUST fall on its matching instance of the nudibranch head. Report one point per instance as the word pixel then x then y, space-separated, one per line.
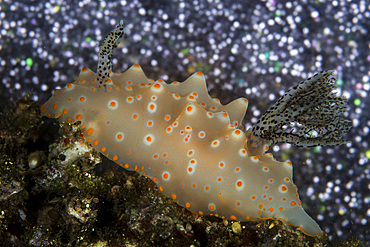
pixel 187 142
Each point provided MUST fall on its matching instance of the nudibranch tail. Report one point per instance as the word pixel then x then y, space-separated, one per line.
pixel 309 114
pixel 191 144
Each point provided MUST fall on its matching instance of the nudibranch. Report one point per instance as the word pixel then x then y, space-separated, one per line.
pixel 192 146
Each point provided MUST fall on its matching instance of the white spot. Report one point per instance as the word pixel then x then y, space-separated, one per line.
pixel 243 152
pixel 209 114
pixel 187 138
pixel 207 188
pixel 166 176
pixel 190 109
pixel 154 97
pixel 265 169
pixel 191 98
pixel 254 159
pixel 283 189
pixel 237 134
pixel 201 134
pixel 190 170
pixel 175 124
pixel 253 197
pixel 220 179
pixel 152 107
pixel 193 162
pixel 221 164
pixel 176 96
pixel 157 87
pixel 190 152
pixel 82 99
pixel 188 129
pixel 130 100
pixel 120 136
pixel 194 185
pixel 70 87
pixel 155 156
pixel 237 169
pixel 239 184
pixel 215 143
pixel 135 116
pixel 112 104
pixel 148 139
pixel 212 207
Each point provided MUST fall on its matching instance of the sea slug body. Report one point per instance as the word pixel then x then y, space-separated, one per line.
pixel 180 137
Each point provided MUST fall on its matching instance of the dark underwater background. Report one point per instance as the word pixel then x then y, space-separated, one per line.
pixel 251 49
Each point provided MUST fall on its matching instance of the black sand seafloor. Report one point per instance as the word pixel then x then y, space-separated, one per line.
pixel 56 191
